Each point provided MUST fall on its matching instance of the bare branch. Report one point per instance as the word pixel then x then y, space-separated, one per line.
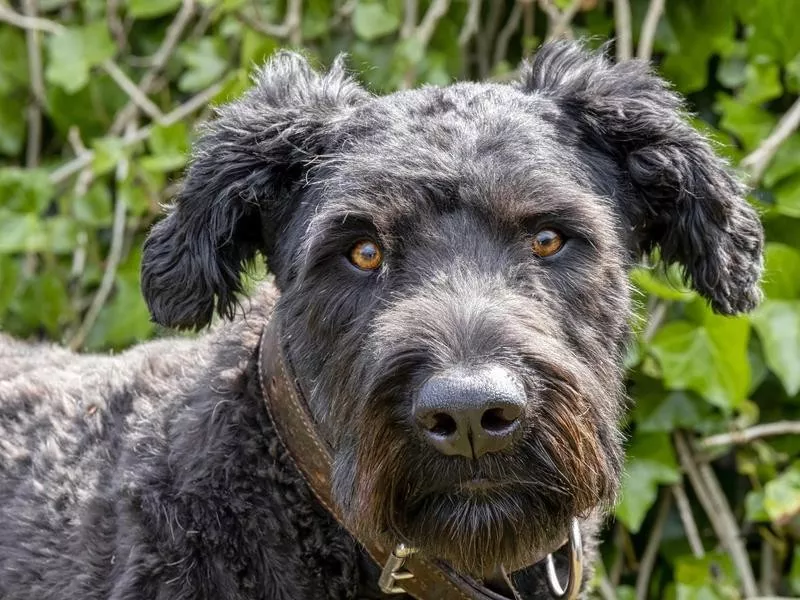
pixel 622 20
pixel 289 29
pixel 410 16
pixel 135 93
pixel 718 511
pixel 433 15
pixel 25 22
pixel 157 63
pixel 509 29
pixel 651 550
pixel 34 111
pixel 562 25
pixel 68 169
pixel 470 27
pixel 649 27
pixel 757 161
pixel 687 518
pixel 112 261
pixel 752 433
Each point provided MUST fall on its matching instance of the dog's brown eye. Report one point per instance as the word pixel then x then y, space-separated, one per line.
pixel 366 255
pixel 547 242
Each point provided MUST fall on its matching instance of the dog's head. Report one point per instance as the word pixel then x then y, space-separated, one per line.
pixel 453 266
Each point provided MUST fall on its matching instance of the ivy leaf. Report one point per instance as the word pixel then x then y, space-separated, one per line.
pixel 204 64
pixel 73 52
pixel 650 462
pixel 149 9
pixel 25 190
pixel 648 280
pixel 169 148
pixel 777 323
pixel 782 272
pixel 782 495
pixel 712 577
pixel 21 233
pixel 708 358
pixel 372 20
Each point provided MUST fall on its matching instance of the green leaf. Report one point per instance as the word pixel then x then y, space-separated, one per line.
pixel 754 507
pixel 169 148
pixel 782 495
pixel 787 196
pixel 777 323
pixel 21 233
pixel 95 207
pixel 204 63
pixel 712 577
pixel 25 190
pixel 371 20
pixel 9 278
pixel 667 411
pixel 708 358
pixel 785 163
pixel 650 462
pixel 149 9
pixel 762 83
pixel 73 52
pixel 14 66
pixel 771 28
pixel 651 281
pixel 700 29
pixel 749 123
pixel 781 279
pixel 44 302
pixel 108 153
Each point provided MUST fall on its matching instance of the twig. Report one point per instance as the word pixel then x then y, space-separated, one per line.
pixel 34 112
pixel 561 25
pixel 157 63
pixel 134 93
pixel 651 550
pixel 757 161
pixel 470 27
pixel 605 590
pixel 410 16
pixel 752 433
pixel 115 24
pixel 509 29
pixel 289 29
pixel 114 256
pixel 68 169
pixel 649 27
pixel 719 512
pixel 767 568
pixel 26 22
pixel 687 518
pixel 433 15
pixel 657 316
pixel 485 36
pixel 622 19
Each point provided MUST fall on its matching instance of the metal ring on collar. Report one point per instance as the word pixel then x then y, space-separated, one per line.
pixel 574 565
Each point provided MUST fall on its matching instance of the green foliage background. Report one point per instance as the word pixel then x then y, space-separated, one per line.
pixel 83 176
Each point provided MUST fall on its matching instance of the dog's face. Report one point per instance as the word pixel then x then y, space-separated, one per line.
pixel 453 267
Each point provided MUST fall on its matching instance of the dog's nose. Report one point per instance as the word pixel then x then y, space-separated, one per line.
pixel 470 413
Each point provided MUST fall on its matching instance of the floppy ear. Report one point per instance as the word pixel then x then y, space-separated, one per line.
pixel 682 197
pixel 246 169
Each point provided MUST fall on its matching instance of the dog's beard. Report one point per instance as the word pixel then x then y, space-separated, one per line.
pixel 404 492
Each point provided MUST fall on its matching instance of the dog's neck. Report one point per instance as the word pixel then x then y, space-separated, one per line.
pixel 403 570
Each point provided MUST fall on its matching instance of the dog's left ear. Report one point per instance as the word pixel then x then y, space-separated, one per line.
pixel 246 170
pixel 681 196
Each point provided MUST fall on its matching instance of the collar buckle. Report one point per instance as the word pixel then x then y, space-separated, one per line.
pixel 393 570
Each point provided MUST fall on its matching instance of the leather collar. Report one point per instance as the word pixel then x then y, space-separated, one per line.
pixel 404 571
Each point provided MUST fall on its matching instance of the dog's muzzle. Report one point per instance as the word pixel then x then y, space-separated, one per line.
pixel 404 571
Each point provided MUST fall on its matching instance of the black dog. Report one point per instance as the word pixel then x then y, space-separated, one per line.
pixel 454 302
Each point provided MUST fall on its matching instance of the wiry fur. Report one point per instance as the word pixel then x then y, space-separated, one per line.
pixel 175 486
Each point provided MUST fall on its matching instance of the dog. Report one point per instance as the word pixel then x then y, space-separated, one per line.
pixel 450 278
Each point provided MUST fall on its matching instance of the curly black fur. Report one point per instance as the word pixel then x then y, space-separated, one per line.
pixel 157 474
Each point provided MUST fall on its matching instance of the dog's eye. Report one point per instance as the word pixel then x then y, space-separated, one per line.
pixel 366 255
pixel 547 242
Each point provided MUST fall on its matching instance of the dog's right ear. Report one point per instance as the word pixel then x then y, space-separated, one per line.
pixel 246 169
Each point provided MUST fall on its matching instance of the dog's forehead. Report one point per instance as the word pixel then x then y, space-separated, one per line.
pixel 483 146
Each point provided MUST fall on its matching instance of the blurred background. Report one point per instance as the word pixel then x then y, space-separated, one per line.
pixel 100 99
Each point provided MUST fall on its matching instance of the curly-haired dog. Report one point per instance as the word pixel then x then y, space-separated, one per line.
pixel 453 304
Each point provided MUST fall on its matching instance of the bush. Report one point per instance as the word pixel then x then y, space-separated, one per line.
pixel 98 104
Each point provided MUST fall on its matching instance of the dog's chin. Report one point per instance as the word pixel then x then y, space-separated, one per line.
pixel 477 529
